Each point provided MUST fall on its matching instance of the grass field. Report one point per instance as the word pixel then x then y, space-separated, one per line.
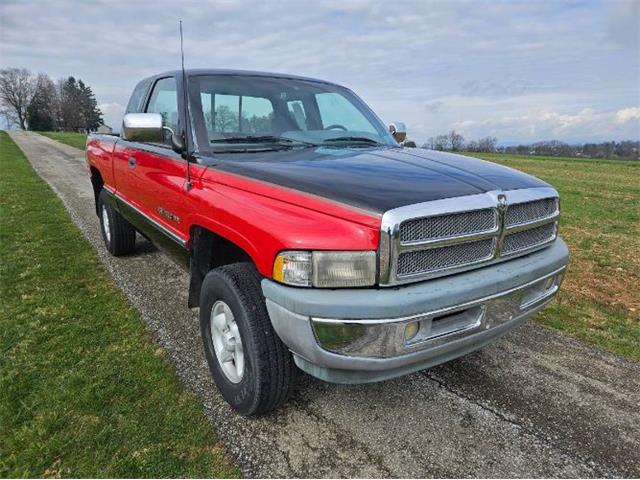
pixel 84 390
pixel 70 138
pixel 600 299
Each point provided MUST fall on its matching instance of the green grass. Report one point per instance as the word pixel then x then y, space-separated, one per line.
pixel 70 138
pixel 600 299
pixel 84 389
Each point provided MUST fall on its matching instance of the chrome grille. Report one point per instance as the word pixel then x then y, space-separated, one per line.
pixel 451 235
pixel 521 213
pixel 440 258
pixel 526 239
pixel 448 226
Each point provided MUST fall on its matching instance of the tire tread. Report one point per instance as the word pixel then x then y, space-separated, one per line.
pixel 275 369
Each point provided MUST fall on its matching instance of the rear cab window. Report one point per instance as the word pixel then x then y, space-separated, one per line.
pixel 232 115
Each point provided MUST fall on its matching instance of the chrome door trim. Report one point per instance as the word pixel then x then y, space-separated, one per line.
pixel 173 236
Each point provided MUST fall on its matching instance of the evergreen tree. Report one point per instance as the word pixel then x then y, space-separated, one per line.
pixel 91 114
pixel 70 105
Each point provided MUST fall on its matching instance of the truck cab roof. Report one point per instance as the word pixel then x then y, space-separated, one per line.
pixel 224 71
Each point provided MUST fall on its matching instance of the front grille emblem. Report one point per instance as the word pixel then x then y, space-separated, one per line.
pixel 502 201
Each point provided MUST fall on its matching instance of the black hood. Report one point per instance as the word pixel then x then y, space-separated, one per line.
pixel 376 179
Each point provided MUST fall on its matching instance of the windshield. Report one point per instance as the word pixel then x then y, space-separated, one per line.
pixel 245 113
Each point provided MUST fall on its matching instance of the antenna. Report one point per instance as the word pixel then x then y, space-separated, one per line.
pixel 186 110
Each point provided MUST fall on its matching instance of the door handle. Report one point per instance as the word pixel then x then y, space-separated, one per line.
pixel 132 162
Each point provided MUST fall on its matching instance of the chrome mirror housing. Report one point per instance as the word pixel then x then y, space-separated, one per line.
pixel 399 131
pixel 142 127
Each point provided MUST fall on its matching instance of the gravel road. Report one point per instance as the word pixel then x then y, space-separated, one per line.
pixel 536 403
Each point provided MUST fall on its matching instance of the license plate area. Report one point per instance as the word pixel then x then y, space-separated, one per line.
pixel 449 323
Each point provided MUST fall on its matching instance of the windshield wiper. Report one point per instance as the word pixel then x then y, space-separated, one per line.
pixel 262 139
pixel 366 140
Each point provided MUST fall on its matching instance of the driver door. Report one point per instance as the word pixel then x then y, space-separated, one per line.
pixel 160 172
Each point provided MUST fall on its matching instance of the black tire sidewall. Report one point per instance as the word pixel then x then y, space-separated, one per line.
pixel 242 396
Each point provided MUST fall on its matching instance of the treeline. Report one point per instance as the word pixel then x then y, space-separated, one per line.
pixel 454 142
pixel 627 149
pixel 35 102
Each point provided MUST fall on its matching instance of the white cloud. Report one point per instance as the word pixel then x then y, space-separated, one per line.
pixel 583 126
pixel 628 115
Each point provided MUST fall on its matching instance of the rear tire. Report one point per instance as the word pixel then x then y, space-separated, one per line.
pixel 119 235
pixel 258 377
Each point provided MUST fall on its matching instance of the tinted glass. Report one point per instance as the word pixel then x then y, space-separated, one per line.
pixel 336 112
pixel 296 110
pixel 137 97
pixel 230 109
pixel 164 100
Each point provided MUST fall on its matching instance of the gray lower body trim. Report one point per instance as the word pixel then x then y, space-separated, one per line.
pixel 413 363
pixel 498 299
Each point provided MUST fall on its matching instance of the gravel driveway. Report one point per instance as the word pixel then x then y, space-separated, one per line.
pixel 536 403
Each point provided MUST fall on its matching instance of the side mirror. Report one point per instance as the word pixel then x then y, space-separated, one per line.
pixel 399 131
pixel 143 127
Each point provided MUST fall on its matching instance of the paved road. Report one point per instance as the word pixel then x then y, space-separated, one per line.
pixel 536 403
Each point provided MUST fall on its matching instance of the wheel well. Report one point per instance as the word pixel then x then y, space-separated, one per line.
pixel 208 251
pixel 97 183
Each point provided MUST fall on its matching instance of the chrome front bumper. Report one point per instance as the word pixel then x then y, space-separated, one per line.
pixel 349 336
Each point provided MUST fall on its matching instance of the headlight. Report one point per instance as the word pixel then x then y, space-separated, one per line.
pixel 326 269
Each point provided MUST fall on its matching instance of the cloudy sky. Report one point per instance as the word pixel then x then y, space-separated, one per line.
pixel 518 70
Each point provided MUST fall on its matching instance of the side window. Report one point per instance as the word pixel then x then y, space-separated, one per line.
pixel 296 110
pixel 137 97
pixel 337 110
pixel 164 100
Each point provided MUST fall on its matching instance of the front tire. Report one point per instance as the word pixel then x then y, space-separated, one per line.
pixel 251 366
pixel 119 235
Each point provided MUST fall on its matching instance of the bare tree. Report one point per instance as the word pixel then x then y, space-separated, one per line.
pixel 9 116
pixel 455 141
pixel 225 119
pixel 487 144
pixel 16 90
pixel 473 146
pixel 430 144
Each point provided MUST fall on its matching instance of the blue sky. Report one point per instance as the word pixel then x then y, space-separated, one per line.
pixel 519 70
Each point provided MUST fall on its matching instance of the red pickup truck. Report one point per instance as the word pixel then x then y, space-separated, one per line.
pixel 314 237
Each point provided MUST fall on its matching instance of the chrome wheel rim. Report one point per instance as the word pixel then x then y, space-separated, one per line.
pixel 105 223
pixel 227 342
